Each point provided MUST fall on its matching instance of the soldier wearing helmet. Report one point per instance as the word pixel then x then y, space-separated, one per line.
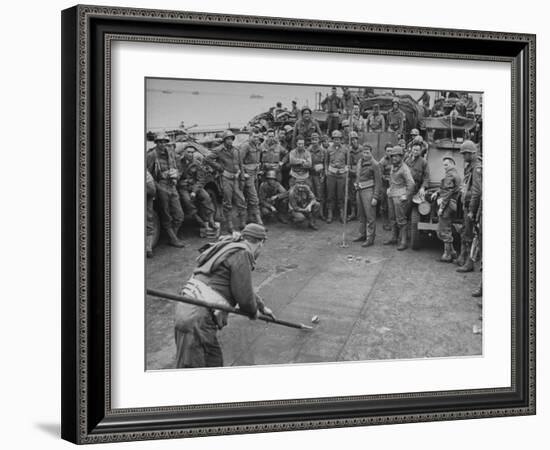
pixel 396 118
pixel 376 123
pixel 399 195
pixel 273 198
pixel 162 165
pixel 317 173
pixel 336 166
pixel 333 106
pixel 302 204
pixel 305 127
pixel 472 179
pixel 250 154
pixel 226 159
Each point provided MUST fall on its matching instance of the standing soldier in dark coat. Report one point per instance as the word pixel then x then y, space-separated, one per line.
pixel 272 153
pixel 396 118
pixel 419 170
pixel 385 170
pixel 305 127
pixel 250 155
pixel 472 174
pixel 336 166
pixel 162 165
pixel 300 163
pixel 302 205
pixel 227 160
pixel 151 191
pixel 273 198
pixel 191 189
pixel 317 173
pixel 333 106
pixel 447 201
pixel 223 276
pixel 399 195
pixel 368 184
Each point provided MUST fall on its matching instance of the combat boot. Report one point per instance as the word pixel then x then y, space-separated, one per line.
pixel 463 252
pixel 369 242
pixel 402 238
pixel 353 214
pixel 478 292
pixel 329 215
pixel 212 222
pixel 173 239
pixel 393 238
pixel 447 255
pixel 149 246
pixel 321 211
pixel 360 238
pixel 467 267
pixel 313 223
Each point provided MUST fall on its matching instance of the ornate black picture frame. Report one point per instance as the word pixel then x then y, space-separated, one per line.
pixel 87 35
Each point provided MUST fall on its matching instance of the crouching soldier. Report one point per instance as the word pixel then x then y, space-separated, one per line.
pixel 303 205
pixel 273 198
pixel 223 276
pixel 192 192
pixel 368 184
pixel 446 200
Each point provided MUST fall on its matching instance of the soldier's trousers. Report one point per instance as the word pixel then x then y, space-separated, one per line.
pixel 202 199
pixel 336 186
pixel 367 212
pixel 384 207
pixel 150 215
pixel 196 338
pixel 397 210
pixel 232 194
pixel 467 232
pixel 171 213
pixel 333 122
pixel 444 230
pixel 251 194
pixel 298 217
pixel 318 187
pixel 352 192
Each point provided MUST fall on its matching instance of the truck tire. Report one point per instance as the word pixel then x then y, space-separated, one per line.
pixel 156 226
pixel 415 234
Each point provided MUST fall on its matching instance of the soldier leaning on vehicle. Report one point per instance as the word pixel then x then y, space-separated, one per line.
pixel 162 165
pixel 420 170
pixel 399 195
pixel 396 118
pixel 446 197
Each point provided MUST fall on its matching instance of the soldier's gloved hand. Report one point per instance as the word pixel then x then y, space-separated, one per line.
pixel 404 198
pixel 374 202
pixel 193 195
pixel 470 215
pixel 440 212
pixel 267 312
pixel 246 176
pixel 434 195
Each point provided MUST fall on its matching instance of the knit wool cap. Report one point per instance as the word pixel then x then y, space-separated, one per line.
pixel 254 230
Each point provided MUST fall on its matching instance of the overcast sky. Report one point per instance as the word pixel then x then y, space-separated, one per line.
pixel 216 104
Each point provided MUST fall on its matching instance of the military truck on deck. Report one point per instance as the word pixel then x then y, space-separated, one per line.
pixel 444 136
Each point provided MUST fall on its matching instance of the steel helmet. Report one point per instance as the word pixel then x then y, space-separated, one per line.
pixel 468 147
pixel 353 135
pixel 336 133
pixel 397 150
pixel 345 123
pixel 270 175
pixel 396 100
pixel 415 132
pixel 287 128
pixel 228 134
pixel 418 140
pixel 162 137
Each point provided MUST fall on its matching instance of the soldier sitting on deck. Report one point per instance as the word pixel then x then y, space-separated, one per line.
pixel 223 276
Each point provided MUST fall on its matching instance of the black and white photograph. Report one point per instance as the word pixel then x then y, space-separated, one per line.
pixel 299 224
